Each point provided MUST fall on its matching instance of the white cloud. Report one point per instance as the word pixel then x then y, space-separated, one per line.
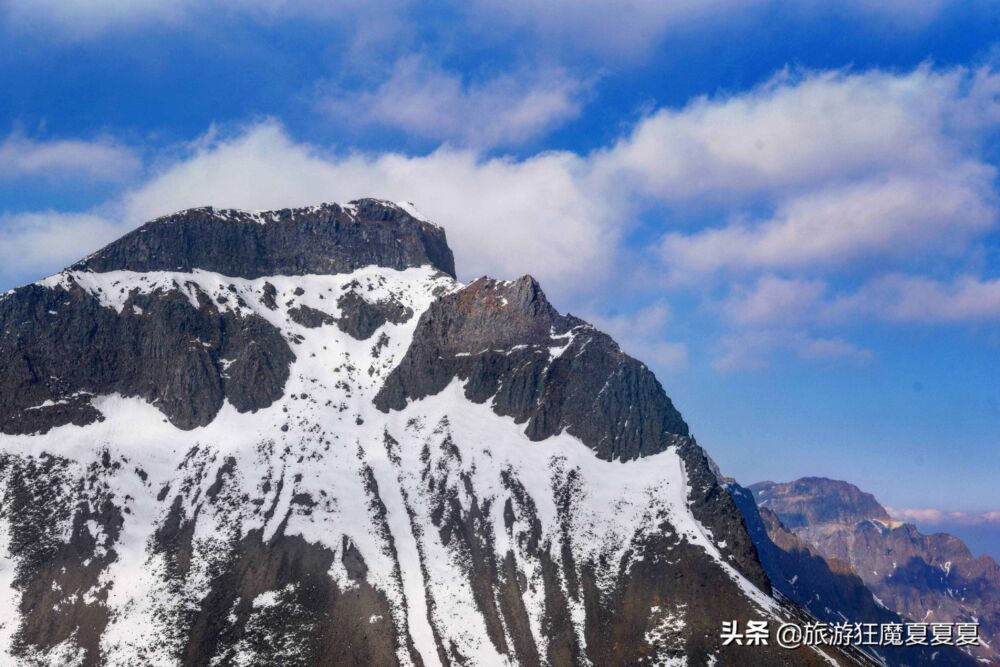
pixel 875 218
pixel 98 160
pixel 932 516
pixel 503 216
pixel 46 242
pixel 853 166
pixel 426 101
pixel 754 349
pixel 772 300
pixel 803 129
pixel 908 298
pixel 860 172
pixel 87 19
pixel 641 334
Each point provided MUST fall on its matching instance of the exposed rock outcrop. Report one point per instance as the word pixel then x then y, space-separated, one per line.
pixel 553 372
pixel 325 239
pixel 293 438
pixel 61 346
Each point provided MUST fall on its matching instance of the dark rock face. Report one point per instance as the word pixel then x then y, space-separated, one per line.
pixel 311 318
pixel 911 573
pixel 41 498
pixel 360 318
pixel 661 581
pixel 828 589
pixel 326 239
pixel 329 535
pixel 60 346
pixel 552 371
pixel 714 507
pixel 312 621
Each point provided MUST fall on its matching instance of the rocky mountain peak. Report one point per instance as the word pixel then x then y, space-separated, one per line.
pixel 293 438
pixel 555 372
pixel 325 239
pixel 813 500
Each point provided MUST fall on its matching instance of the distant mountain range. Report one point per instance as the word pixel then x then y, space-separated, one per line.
pixel 932 578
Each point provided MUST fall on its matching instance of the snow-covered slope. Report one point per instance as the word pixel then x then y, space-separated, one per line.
pixel 285 516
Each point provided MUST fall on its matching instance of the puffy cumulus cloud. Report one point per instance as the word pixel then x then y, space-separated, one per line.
pixel 426 101
pixel 890 217
pixel 503 216
pixel 853 167
pixel 97 160
pixel 801 129
pixel 754 349
pixel 641 334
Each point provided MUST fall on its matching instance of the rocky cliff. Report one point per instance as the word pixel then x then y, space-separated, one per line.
pixel 292 437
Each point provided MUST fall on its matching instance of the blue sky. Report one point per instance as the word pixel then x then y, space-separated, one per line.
pixel 789 210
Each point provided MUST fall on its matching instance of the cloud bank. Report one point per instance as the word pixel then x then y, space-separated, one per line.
pixel 809 178
pixel 932 516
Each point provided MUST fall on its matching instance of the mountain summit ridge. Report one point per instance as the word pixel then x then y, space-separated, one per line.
pixel 196 466
pixel 811 500
pixel 323 239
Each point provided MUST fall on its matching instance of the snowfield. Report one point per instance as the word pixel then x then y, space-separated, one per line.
pixel 309 465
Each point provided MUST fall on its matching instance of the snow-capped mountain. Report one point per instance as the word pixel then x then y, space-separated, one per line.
pixel 294 438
